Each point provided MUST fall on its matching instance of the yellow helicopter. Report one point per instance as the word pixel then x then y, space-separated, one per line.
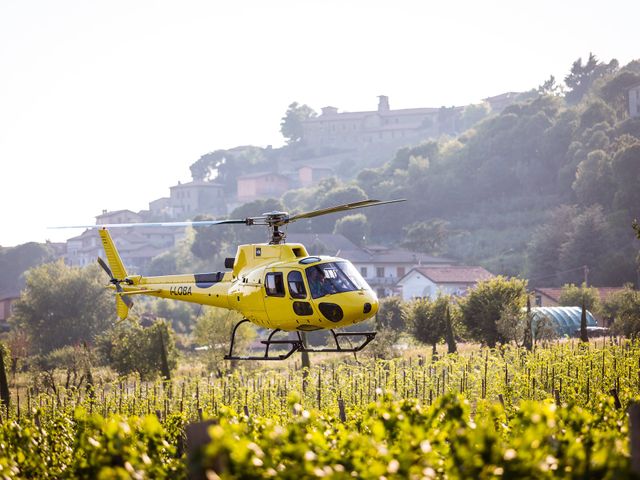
pixel 275 285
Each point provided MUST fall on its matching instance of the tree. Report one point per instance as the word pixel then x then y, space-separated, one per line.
pixel 513 324
pixel 62 305
pixel 426 237
pixel 449 336
pixel 354 227
pixel 5 396
pixel 486 303
pixel 574 296
pixel 131 348
pixel 15 261
pixel 213 331
pixel 584 337
pixel 527 341
pixel 391 314
pixel 626 171
pixel 291 123
pixel 624 308
pixel 586 244
pixel 257 207
pixel 581 77
pixel 550 87
pixel 544 248
pixel 428 320
pixel 210 241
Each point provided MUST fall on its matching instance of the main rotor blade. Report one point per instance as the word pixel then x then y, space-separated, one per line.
pixel 341 208
pixel 161 224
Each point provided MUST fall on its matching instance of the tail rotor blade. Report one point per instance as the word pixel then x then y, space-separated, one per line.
pixel 106 268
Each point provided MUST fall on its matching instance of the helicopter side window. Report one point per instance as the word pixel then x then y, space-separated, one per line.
pixel 274 284
pixel 296 285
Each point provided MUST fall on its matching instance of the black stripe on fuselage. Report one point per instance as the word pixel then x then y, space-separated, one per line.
pixel 205 280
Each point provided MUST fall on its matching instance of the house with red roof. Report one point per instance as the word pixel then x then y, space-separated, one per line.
pixel 432 281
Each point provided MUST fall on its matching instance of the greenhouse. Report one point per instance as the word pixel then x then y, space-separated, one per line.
pixel 566 320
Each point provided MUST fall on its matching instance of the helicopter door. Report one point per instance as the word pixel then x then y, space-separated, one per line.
pixel 276 302
pixel 287 307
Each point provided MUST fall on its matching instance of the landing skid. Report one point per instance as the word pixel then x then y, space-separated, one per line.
pixel 299 345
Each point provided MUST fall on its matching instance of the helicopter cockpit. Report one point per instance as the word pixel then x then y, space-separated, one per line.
pixel 334 277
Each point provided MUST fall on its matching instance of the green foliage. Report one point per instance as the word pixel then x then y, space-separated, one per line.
pixel 574 296
pixel 213 331
pixel 243 235
pixel 426 237
pixel 405 439
pixel 131 348
pixel 586 244
pixel 403 420
pixel 427 319
pixel 581 77
pixel 354 227
pixel 62 305
pixel 550 87
pixel 291 123
pixel 486 304
pixel 391 314
pixel 624 309
pixel 15 261
pixel 224 166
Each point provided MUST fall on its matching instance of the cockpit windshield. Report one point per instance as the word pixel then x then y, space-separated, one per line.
pixel 333 277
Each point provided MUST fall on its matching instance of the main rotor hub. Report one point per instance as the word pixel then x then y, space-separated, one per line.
pixel 275 218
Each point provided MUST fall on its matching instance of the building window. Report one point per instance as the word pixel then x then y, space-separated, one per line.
pixel 400 272
pixel 363 271
pixel 538 300
pixel 380 272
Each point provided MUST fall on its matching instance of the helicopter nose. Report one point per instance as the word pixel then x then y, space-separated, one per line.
pixel 370 307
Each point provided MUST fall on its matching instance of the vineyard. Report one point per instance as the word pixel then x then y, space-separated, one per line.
pixel 561 411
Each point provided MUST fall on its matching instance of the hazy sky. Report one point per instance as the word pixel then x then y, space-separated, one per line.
pixel 105 104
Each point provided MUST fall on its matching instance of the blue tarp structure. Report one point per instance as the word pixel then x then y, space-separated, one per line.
pixel 565 319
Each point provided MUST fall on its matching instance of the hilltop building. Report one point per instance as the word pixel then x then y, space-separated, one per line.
pixel 118 216
pixel 189 199
pixel 261 185
pixel 137 246
pixel 358 130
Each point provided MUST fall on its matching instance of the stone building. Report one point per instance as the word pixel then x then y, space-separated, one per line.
pixel 358 129
pixel 634 101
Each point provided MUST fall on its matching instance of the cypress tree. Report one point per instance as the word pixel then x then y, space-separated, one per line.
pixel 451 341
pixel 528 337
pixel 5 396
pixel 583 324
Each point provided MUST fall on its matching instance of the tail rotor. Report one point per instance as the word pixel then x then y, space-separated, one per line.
pixel 123 302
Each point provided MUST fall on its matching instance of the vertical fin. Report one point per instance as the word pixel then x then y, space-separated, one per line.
pixel 121 307
pixel 118 272
pixel 113 257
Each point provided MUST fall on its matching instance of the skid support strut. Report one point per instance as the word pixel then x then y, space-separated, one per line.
pixel 367 336
pixel 294 346
pixel 299 345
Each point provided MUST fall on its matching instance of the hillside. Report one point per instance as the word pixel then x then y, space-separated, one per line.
pixel 544 188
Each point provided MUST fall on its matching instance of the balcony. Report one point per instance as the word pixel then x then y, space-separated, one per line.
pixel 381 281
